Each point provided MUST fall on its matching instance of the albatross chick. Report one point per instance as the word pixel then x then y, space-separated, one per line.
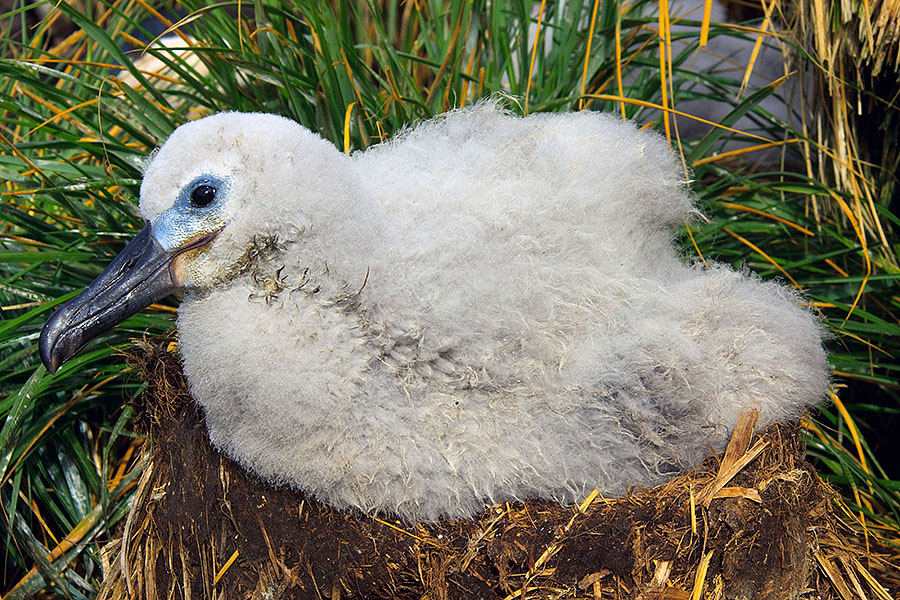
pixel 485 308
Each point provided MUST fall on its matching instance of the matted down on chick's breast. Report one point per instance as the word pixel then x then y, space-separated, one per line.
pixel 488 308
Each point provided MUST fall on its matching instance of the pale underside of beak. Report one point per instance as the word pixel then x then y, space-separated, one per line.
pixel 139 276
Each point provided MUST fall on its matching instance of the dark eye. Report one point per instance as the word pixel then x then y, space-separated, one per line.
pixel 203 195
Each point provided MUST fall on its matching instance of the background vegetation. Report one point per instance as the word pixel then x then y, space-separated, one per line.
pixel 784 192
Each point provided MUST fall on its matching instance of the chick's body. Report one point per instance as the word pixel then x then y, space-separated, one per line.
pixel 485 308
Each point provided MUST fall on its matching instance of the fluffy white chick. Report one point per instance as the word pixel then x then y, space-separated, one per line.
pixel 484 308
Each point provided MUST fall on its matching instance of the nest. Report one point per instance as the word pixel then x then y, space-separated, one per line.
pixel 755 523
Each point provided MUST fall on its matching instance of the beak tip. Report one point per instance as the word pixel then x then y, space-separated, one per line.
pixel 46 347
pixel 135 278
pixel 52 364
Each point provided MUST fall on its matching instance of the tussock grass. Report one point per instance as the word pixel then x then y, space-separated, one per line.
pixel 800 198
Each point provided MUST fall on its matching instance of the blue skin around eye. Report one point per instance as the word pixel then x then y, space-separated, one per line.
pixel 184 222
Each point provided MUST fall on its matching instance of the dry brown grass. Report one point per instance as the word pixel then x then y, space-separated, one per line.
pixel 853 47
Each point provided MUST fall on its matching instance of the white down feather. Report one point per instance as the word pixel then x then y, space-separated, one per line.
pixel 484 308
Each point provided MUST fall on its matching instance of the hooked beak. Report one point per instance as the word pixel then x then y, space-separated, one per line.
pixel 139 276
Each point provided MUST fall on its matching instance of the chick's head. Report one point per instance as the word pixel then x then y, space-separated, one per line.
pixel 223 181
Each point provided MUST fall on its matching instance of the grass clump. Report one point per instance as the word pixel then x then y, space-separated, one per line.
pixel 80 108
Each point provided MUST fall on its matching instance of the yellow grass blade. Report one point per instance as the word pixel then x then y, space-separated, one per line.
pixel 759 251
pixel 697 592
pixel 45 24
pixel 663 34
pixel 834 266
pixel 587 501
pixel 465 80
pixel 646 104
pixel 867 343
pixel 537 39
pixel 347 128
pixel 755 211
pixel 62 48
pixel 63 113
pixel 124 461
pixel 36 511
pixel 170 27
pixel 359 100
pixel 756 46
pixel 862 240
pixel 176 27
pixel 67 543
pixel 451 56
pixel 587 54
pixel 240 29
pixel 224 568
pixel 18 153
pixel 619 62
pixel 696 247
pixel 693 507
pixel 401 530
pixel 85 63
pixel 704 27
pixel 851 425
pixel 739 151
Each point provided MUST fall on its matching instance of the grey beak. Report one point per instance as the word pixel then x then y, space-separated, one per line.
pixel 139 276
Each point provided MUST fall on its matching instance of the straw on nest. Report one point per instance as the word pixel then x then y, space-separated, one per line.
pixel 757 524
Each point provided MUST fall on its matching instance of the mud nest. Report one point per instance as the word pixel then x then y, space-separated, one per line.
pixel 755 523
